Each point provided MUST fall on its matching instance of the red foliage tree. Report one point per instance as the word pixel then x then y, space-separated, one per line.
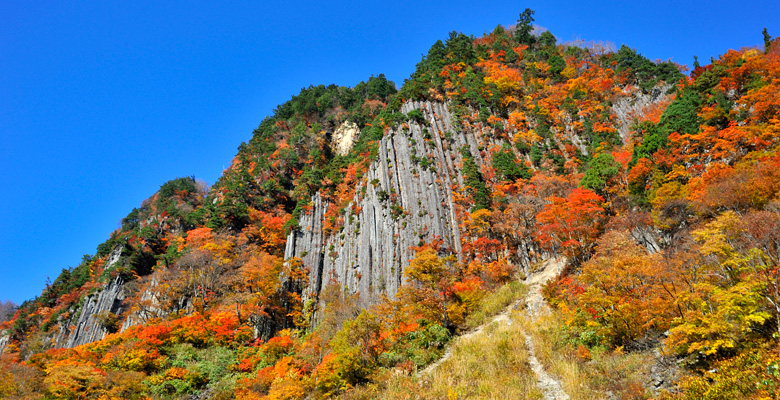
pixel 571 224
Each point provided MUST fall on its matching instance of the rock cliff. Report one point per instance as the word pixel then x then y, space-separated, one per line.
pixel 90 323
pixel 406 199
pixel 4 339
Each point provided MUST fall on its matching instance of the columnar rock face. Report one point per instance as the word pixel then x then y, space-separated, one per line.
pixel 405 200
pixel 3 342
pixel 88 328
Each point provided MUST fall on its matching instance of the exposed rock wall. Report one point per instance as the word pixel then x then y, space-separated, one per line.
pixel 344 137
pixel 3 342
pixel 626 109
pixel 647 237
pixel 87 327
pixel 83 326
pixel 402 203
pixel 406 199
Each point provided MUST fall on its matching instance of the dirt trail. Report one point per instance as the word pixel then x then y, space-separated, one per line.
pixel 534 299
pixel 550 387
pixel 536 305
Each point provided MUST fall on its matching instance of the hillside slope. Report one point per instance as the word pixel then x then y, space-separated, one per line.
pixel 359 229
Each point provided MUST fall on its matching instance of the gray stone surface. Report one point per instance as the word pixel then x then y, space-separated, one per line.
pixel 148 306
pixel 86 327
pixel 627 108
pixel 4 338
pixel 83 326
pixel 647 237
pixel 399 205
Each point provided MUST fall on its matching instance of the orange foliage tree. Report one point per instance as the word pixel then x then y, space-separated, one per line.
pixel 571 224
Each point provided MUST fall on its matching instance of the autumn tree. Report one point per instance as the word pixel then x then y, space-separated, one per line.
pixel 508 166
pixel 722 311
pixel 515 224
pixel 571 224
pixel 429 276
pixel 623 290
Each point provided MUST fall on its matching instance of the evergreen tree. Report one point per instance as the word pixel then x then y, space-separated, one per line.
pixel 524 28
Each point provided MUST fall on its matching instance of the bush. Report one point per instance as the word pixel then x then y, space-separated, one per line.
pixel 416 116
pixel 508 167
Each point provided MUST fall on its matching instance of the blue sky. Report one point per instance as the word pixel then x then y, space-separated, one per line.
pixel 102 103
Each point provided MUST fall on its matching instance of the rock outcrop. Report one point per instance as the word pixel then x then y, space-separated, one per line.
pixel 344 137
pixel 406 200
pixel 628 108
pixel 4 339
pixel 89 323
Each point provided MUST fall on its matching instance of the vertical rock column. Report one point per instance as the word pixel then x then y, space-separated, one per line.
pixel 404 201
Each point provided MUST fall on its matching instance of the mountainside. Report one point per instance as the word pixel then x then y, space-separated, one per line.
pixel 360 229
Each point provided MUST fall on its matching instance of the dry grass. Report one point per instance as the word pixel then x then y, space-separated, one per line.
pixel 495 303
pixel 493 364
pixel 596 373
pixel 490 365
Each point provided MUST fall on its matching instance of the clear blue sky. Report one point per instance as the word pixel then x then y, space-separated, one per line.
pixel 102 103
